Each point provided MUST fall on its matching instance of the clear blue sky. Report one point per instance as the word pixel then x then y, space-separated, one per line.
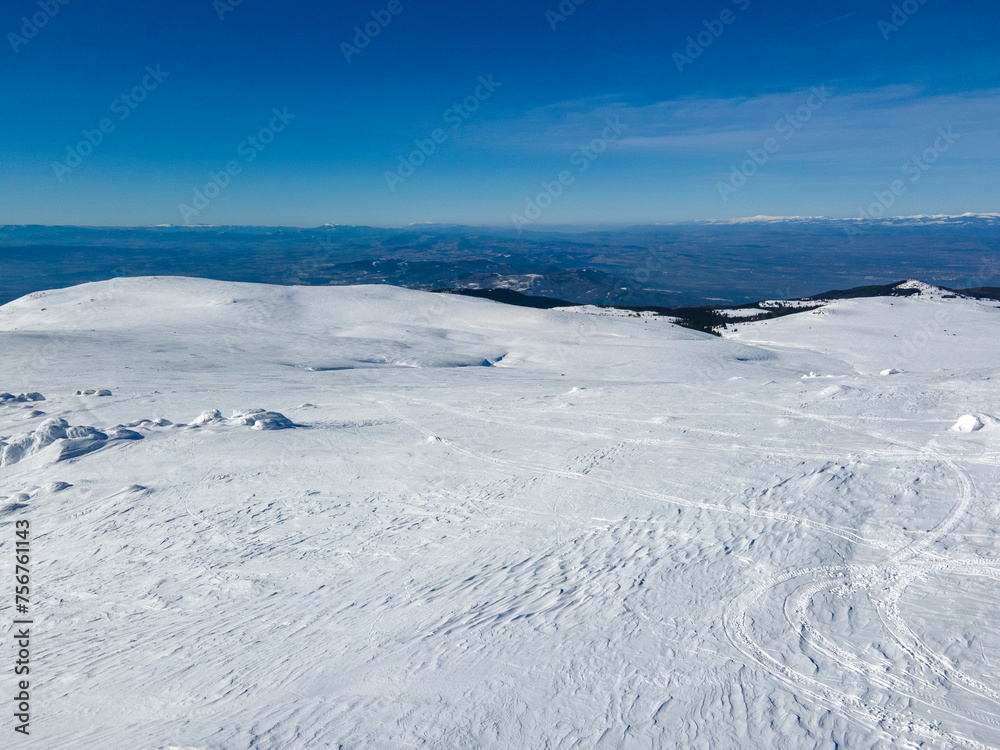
pixel 682 124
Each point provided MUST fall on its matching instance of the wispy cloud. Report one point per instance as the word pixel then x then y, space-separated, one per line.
pixel 824 23
pixel 854 125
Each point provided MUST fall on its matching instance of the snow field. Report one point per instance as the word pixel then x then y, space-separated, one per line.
pixel 622 534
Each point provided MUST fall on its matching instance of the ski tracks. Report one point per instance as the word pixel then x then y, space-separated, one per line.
pixel 883 582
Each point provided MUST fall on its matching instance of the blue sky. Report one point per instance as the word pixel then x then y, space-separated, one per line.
pixel 617 113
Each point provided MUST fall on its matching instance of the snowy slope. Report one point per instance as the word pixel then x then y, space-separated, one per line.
pixel 924 332
pixel 498 527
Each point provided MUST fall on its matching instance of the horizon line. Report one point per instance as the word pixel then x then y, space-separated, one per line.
pixel 761 218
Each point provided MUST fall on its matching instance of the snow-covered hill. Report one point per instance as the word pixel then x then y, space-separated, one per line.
pixel 367 517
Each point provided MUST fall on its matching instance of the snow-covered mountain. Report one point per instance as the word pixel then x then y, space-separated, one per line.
pixel 920 220
pixel 369 517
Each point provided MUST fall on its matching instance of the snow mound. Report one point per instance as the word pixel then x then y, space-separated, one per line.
pixel 85 432
pixel 972 423
pixel 259 419
pixel 74 441
pixel 26 445
pixel 256 419
pixel 76 447
pixel 123 433
pixel 10 398
pixel 6 510
pixel 207 417
pixel 158 422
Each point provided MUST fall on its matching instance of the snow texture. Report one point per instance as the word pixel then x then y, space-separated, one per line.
pixel 621 534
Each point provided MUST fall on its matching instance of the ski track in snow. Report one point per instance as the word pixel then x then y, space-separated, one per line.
pixel 440 555
pixel 884 582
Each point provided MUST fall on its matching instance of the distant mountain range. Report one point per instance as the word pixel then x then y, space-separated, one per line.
pixel 693 264
pixel 899 221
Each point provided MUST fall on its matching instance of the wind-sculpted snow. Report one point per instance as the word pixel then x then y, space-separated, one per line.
pixel 256 419
pixel 10 398
pixel 974 423
pixel 71 441
pixel 620 534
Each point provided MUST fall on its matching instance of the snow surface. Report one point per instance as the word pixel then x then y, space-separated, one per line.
pixel 483 526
